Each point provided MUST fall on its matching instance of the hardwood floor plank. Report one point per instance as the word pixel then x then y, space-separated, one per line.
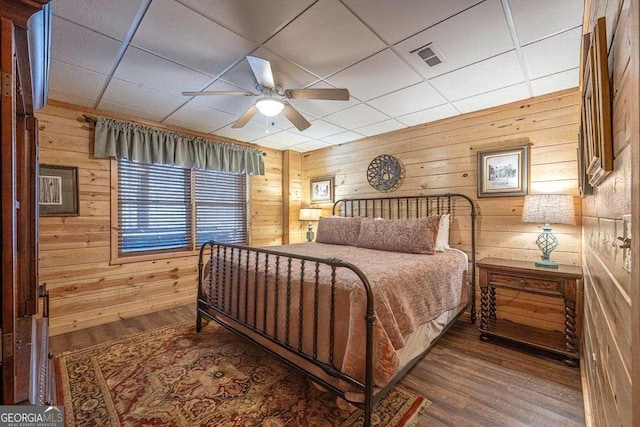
pixel 470 382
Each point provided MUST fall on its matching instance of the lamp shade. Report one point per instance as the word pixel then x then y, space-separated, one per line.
pixel 269 106
pixel 549 209
pixel 309 214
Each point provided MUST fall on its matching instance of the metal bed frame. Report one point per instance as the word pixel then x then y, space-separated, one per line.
pixel 225 283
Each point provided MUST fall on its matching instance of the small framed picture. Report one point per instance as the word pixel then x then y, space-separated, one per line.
pixel 58 190
pixel 322 190
pixel 503 172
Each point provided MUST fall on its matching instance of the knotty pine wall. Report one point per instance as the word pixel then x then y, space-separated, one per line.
pixel 440 157
pixel 608 289
pixel 85 289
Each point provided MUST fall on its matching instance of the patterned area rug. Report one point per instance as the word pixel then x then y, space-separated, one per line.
pixel 175 377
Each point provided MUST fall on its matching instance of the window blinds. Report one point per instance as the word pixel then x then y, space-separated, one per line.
pixel 154 209
pixel 221 207
pixel 159 205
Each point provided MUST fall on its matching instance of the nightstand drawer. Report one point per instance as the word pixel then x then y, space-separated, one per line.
pixel 534 284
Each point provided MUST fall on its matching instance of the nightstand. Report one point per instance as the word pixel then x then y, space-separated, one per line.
pixel 563 282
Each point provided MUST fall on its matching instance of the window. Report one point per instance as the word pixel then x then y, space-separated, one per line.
pixel 165 208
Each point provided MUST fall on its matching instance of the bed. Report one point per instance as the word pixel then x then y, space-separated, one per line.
pixel 352 316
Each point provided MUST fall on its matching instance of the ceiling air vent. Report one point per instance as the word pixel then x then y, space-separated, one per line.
pixel 430 54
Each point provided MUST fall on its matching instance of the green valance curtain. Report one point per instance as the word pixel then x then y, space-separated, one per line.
pixel 144 144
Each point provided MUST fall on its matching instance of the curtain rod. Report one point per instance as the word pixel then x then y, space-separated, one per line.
pixel 90 119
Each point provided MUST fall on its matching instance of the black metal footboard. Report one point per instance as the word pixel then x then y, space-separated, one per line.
pixel 261 294
pixel 235 283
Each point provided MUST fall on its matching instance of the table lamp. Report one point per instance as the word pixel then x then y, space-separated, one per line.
pixel 310 214
pixel 548 209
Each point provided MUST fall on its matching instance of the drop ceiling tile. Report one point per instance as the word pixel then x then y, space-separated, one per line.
pixel 381 127
pixel 147 70
pixel 382 73
pixel 430 115
pixel 321 108
pixel 271 144
pixel 320 129
pixel 140 98
pixel 71 98
pixel 343 137
pixel 326 38
pixel 541 18
pixel 84 48
pixel 67 78
pixel 176 32
pixel 396 20
pixel 206 119
pixel 112 18
pixel 494 73
pixel 285 74
pixel 554 54
pixel 254 20
pixel 284 138
pixel 555 82
pixel 493 98
pixel 129 111
pixel 473 35
pixel 231 104
pixel 248 133
pixel 408 100
pixel 310 146
pixel 355 117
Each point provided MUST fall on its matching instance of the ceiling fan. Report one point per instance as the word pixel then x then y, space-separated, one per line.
pixel 272 99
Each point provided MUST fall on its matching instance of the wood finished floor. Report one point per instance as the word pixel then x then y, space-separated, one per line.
pixel 471 383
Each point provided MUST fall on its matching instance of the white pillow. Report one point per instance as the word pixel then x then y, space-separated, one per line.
pixel 442 239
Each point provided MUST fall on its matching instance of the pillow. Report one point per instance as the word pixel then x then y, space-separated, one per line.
pixel 339 231
pixel 442 239
pixel 415 236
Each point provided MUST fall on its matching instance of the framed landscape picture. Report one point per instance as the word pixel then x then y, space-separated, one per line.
pixel 58 190
pixel 322 190
pixel 503 172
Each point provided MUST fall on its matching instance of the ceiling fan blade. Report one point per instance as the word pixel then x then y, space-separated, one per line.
pixel 262 70
pixel 329 94
pixel 244 119
pixel 295 117
pixel 219 92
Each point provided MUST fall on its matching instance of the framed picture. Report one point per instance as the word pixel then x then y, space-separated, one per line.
pixel 322 190
pixel 503 172
pixel 58 190
pixel 597 139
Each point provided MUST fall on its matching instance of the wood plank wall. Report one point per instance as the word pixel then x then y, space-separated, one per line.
pixel 607 348
pixel 85 289
pixel 292 186
pixel 440 157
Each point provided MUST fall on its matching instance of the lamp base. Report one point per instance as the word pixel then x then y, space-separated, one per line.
pixel 310 232
pixel 546 263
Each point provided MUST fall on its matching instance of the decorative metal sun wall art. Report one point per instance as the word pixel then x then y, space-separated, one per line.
pixel 385 173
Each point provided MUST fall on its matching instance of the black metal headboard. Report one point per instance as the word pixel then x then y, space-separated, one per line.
pixel 417 207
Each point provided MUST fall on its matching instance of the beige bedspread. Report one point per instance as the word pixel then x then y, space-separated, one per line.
pixel 409 290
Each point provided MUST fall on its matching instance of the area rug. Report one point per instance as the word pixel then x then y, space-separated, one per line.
pixel 176 377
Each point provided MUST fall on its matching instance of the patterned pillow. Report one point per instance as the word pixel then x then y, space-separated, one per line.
pixel 415 236
pixel 339 231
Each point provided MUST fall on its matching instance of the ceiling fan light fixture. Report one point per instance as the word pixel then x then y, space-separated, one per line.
pixel 269 106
